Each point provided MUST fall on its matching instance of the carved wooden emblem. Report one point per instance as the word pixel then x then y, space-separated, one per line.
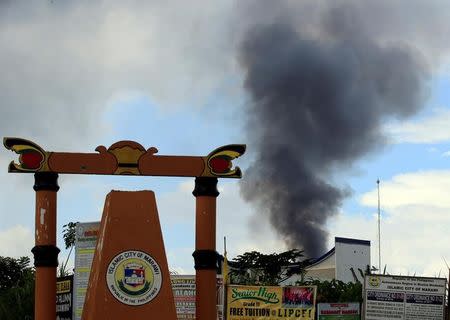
pixel 124 158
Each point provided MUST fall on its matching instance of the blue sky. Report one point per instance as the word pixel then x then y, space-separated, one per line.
pixel 134 72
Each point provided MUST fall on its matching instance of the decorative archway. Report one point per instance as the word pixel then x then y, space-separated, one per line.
pixel 123 158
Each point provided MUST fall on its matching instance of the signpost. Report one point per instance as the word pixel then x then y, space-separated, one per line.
pixel 406 298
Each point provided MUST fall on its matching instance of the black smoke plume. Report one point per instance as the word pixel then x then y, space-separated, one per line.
pixel 319 94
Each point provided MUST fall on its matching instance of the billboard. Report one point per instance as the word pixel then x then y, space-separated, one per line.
pixel 184 293
pixel 338 311
pixel 183 287
pixel 270 302
pixel 64 298
pixel 86 235
pixel 405 298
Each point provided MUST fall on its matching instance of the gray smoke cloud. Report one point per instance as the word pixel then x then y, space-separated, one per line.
pixel 320 87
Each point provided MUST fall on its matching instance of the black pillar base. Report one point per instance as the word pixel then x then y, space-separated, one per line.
pixel 205 186
pixel 206 260
pixel 45 256
pixel 46 181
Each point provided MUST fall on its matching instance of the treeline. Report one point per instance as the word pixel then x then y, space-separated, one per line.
pixel 255 268
pixel 16 289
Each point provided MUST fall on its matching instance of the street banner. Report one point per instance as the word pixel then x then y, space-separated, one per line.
pixel 270 302
pixel 86 235
pixel 64 298
pixel 338 311
pixel 405 298
pixel 220 297
pixel 183 287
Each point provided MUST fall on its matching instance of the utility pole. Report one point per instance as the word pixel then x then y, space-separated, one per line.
pixel 379 228
pixel 225 279
pixel 448 294
pixel 448 291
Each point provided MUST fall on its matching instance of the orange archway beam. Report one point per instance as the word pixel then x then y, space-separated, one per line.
pixel 124 158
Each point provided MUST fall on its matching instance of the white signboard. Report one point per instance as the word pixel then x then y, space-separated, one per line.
pixel 85 242
pixel 183 287
pixel 338 311
pixel 404 298
pixel 184 294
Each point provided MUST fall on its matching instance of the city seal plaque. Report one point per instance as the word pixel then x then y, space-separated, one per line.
pixel 134 277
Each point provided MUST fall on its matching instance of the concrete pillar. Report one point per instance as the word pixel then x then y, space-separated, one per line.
pixel 205 255
pixel 45 250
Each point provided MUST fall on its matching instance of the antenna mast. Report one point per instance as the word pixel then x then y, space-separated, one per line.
pixel 225 246
pixel 379 229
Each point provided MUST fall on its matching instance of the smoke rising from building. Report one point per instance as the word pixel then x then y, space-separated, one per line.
pixel 319 91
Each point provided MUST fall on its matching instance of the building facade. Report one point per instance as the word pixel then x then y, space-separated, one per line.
pixel 347 262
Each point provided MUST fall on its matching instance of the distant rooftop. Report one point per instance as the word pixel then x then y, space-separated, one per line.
pixel 352 241
pixel 331 252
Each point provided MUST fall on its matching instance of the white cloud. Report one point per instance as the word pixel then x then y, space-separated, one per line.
pixel 423 188
pixel 16 241
pixel 432 129
pixel 414 225
pixel 62 64
pixel 410 242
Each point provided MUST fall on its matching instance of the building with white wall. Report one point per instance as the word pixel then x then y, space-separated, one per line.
pixel 349 259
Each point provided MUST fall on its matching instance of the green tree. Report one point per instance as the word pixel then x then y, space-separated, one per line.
pixel 69 242
pixel 255 268
pixel 16 289
pixel 266 269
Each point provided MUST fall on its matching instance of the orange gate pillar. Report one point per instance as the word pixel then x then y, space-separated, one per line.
pixel 205 255
pixel 45 251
